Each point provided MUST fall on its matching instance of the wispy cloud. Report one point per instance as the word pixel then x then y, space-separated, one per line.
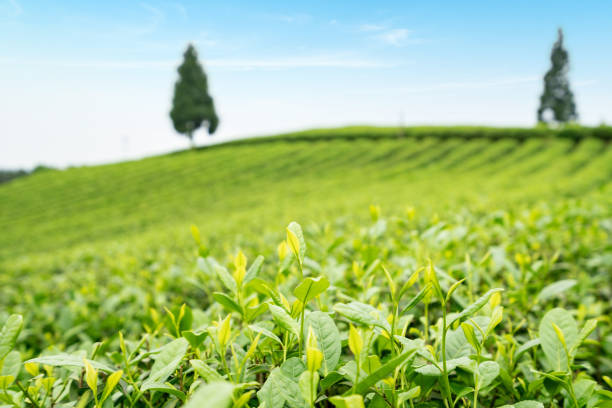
pixel 385 33
pixel 290 18
pixel 156 16
pixel 368 27
pixel 321 61
pixel 398 37
pixel 10 8
pixel 278 63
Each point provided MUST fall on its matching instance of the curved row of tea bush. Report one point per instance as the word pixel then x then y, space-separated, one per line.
pixel 232 188
pixel 573 132
pixel 496 308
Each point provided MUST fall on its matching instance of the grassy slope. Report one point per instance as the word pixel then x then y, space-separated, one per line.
pixel 238 188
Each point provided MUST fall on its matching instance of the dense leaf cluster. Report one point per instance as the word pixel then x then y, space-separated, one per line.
pixel 404 311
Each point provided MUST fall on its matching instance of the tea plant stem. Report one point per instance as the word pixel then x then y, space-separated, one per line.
pixel 27 394
pixel 426 315
pixel 301 329
pixel 446 384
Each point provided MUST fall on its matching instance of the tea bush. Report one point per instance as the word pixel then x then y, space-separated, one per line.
pixel 507 307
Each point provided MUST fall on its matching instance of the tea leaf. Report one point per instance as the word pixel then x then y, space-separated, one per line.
pixel 525 404
pixel 387 369
pixel 111 382
pixel 350 401
pixel 225 278
pixel 254 269
pixel 488 372
pixel 165 388
pixel 279 389
pixel 284 320
pixel 9 333
pixel 328 338
pixel 212 395
pixel 91 377
pixel 362 314
pixel 410 394
pixel 551 343
pixel 204 371
pixel 68 360
pixel 555 289
pixel 474 307
pixel 295 239
pixel 227 302
pixel 167 361
pixel 310 288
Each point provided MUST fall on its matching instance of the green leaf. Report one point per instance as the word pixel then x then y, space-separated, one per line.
pixel 432 370
pixel 165 388
pixel 265 332
pixel 254 269
pixel 293 367
pixel 226 278
pixel 308 383
pixel 111 382
pixel 554 350
pixel 474 307
pixel 204 371
pixel 296 230
pixel 386 370
pixel 264 288
pixel 280 389
pixel 310 288
pixel 11 364
pixel 585 332
pixel 417 298
pixel 252 312
pixel 525 347
pixel 9 333
pixel 487 373
pixel 362 314
pixel 195 339
pixel 227 302
pixel 6 381
pixel 555 289
pixel 68 360
pixel 167 361
pixel 284 320
pixel 469 334
pixel 350 401
pixel 212 395
pixel 525 404
pixel 328 338
pixel 410 394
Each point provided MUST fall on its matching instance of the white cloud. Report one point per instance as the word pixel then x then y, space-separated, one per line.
pixel 371 27
pixel 291 18
pixel 322 61
pixel 10 8
pixel 396 37
pixel 291 62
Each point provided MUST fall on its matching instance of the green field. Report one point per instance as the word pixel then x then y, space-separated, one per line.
pixel 238 188
pixel 88 252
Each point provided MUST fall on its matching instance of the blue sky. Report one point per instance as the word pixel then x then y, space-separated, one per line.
pixel 91 82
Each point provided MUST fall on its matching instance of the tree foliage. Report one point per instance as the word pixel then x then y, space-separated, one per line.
pixel 192 105
pixel 557 96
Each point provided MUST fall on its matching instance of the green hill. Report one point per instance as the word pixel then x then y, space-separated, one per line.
pixel 240 187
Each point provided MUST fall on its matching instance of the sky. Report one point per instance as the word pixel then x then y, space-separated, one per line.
pixel 87 82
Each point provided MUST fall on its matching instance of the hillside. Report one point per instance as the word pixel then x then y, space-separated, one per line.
pixel 239 187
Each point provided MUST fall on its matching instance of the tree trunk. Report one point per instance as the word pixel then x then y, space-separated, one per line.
pixel 190 136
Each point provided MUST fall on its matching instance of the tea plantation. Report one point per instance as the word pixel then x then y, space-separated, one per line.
pixel 357 267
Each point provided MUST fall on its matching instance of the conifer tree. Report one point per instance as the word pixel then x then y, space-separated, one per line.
pixel 192 105
pixel 557 96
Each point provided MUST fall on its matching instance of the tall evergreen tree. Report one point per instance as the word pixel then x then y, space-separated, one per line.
pixel 557 96
pixel 192 105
